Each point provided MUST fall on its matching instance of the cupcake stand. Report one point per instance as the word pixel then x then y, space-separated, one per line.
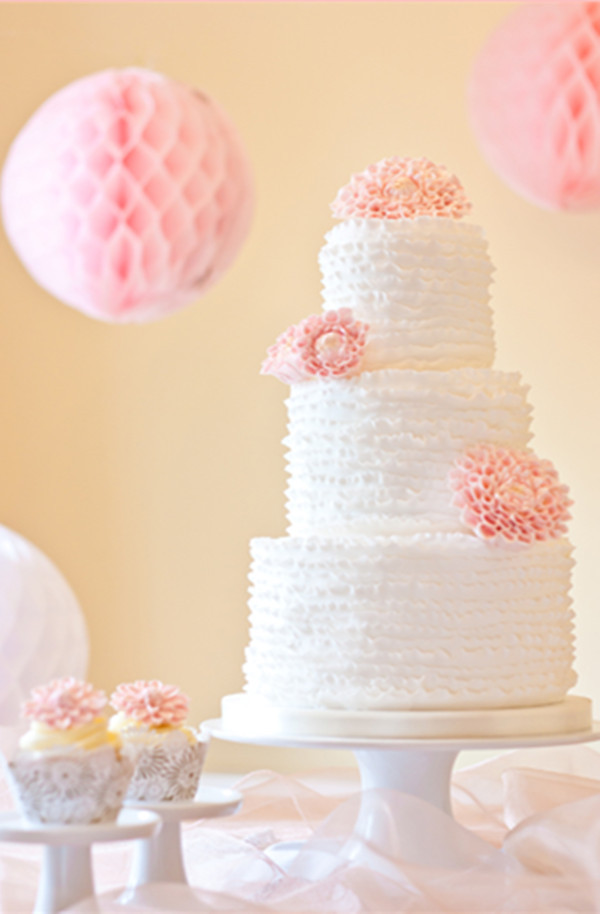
pixel 66 879
pixel 418 765
pixel 66 876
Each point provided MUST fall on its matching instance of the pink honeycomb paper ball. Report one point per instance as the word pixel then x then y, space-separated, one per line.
pixel 127 195
pixel 534 99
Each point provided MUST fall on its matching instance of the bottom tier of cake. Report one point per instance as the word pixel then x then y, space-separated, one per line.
pixel 430 621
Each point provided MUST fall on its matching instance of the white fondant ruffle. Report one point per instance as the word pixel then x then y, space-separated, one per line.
pixel 421 284
pixel 409 622
pixel 371 454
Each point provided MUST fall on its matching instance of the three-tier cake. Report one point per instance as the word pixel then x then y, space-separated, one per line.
pixel 426 571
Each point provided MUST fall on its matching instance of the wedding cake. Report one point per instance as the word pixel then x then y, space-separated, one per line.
pixel 425 577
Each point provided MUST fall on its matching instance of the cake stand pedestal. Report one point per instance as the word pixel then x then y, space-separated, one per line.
pixel 159 858
pixel 420 767
pixel 158 881
pixel 66 877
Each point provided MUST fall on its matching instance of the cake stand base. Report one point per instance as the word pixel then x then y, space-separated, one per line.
pixel 420 768
pixel 66 877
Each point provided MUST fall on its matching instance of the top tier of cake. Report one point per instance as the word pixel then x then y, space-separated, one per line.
pixel 421 284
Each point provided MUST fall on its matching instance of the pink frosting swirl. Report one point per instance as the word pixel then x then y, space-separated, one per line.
pixel 64 703
pixel 509 495
pixel 328 345
pixel 397 188
pixel 151 702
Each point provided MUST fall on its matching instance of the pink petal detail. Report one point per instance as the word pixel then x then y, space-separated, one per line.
pixel 64 703
pixel 328 345
pixel 397 188
pixel 151 702
pixel 510 495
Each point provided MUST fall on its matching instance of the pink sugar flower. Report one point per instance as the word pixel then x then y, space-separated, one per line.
pixel 509 495
pixel 397 188
pixel 152 703
pixel 328 345
pixel 64 703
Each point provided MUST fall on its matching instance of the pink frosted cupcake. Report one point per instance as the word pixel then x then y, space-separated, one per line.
pixel 69 768
pixel 167 753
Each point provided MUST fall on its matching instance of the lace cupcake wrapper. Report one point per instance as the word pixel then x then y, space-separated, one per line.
pixel 76 788
pixel 168 771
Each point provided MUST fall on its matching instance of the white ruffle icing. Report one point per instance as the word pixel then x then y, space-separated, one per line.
pixel 427 621
pixel 422 285
pixel 378 599
pixel 371 454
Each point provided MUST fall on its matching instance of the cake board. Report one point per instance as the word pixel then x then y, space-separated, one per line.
pixel 418 766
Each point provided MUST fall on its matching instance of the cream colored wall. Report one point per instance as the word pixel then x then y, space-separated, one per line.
pixel 142 459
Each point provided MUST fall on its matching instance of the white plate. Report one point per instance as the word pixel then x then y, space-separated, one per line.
pixel 131 824
pixel 209 803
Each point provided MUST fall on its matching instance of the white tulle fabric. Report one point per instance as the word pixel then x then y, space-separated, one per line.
pixel 421 284
pixel 527 824
pixel 371 454
pixel 409 622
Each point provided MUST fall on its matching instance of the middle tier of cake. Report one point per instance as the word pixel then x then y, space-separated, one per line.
pixel 371 454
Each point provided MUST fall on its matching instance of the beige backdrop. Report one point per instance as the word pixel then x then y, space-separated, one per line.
pixel 142 459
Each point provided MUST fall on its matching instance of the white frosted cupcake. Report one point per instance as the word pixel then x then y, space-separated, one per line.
pixel 167 753
pixel 68 768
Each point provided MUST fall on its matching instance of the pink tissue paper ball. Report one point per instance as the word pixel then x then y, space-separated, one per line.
pixel 534 98
pixel 127 195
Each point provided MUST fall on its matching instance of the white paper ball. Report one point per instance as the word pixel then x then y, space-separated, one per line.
pixel 43 634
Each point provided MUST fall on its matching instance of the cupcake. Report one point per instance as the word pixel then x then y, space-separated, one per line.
pixel 68 768
pixel 168 754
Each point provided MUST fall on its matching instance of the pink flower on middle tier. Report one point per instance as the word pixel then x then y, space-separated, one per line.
pixel 328 345
pixel 509 495
pixel 150 702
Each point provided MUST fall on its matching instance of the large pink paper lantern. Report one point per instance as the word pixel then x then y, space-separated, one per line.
pixel 42 630
pixel 534 99
pixel 127 195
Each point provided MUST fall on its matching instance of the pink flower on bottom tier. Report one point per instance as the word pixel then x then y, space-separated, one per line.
pixel 64 703
pixel 152 703
pixel 397 188
pixel 328 345
pixel 509 495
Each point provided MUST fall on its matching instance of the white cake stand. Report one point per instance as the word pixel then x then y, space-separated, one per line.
pixel 66 877
pixel 420 767
pixel 158 881
pixel 159 858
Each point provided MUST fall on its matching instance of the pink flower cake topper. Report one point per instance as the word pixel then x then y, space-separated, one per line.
pixel 397 188
pixel 509 495
pixel 328 345
pixel 152 703
pixel 64 703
